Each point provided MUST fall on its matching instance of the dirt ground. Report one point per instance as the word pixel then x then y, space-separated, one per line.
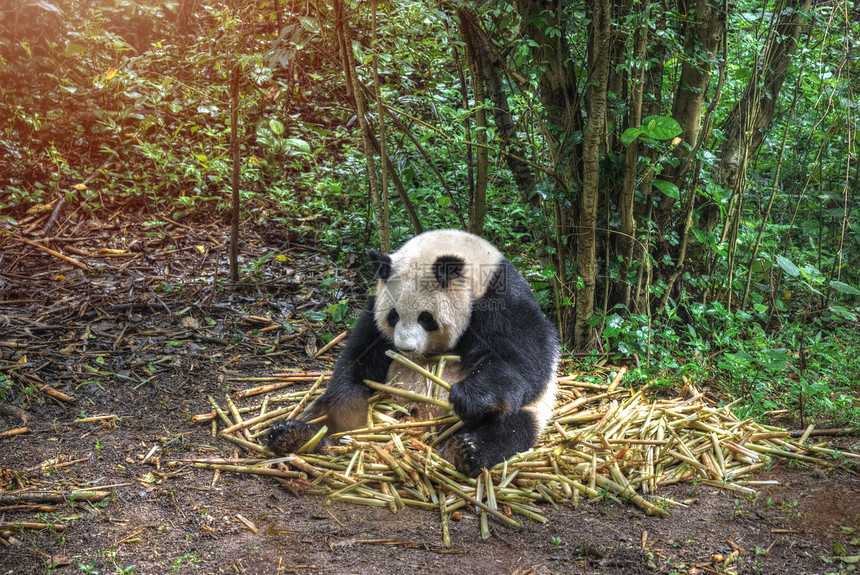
pixel 142 335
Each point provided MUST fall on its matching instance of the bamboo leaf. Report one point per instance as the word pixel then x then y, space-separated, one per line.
pixel 844 287
pixel 667 188
pixel 629 135
pixel 660 127
pixel 844 312
pixel 787 266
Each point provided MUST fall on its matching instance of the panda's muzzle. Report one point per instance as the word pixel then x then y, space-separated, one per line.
pixel 411 339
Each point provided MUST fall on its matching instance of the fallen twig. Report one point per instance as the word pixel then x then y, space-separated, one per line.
pixel 56 254
pixel 13 432
pixel 52 496
pixel 50 391
pixel 16 525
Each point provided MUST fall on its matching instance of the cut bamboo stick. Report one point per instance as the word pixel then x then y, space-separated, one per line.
pixel 410 395
pixel 12 432
pixel 418 369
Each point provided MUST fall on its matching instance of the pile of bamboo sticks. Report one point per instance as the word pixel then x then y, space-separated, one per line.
pixel 602 441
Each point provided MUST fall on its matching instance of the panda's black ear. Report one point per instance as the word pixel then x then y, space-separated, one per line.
pixel 446 268
pixel 382 262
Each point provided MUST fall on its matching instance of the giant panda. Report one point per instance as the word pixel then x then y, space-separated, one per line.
pixel 447 292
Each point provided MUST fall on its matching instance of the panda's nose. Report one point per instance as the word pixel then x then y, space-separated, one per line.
pixel 408 338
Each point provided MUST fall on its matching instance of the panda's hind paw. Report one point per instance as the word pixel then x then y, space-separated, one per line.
pixel 288 436
pixel 462 451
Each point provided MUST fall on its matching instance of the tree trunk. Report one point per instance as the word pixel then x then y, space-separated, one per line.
pixel 753 112
pixel 599 47
pixel 352 85
pixel 489 65
pixel 398 185
pixel 478 199
pixel 560 98
pixel 627 235
pixel 380 113
pixel 619 71
pixel 747 121
pixel 558 85
pixel 652 101
pixel 237 168
pixel 184 14
pixel 705 25
pixel 467 131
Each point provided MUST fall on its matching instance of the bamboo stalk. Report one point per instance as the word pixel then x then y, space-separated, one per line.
pixel 411 396
pixel 448 432
pixel 283 380
pixel 482 514
pixel 252 470
pixel 246 444
pixel 806 433
pixel 255 420
pixel 827 451
pixel 788 455
pixel 628 494
pixel 306 397
pixel 219 411
pixel 311 443
pixel 443 517
pixel 408 425
pixel 418 369
pixel 331 344
pixel 449 485
pixel 617 379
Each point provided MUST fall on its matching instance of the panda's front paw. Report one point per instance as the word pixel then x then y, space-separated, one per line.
pixel 288 436
pixel 462 451
pixel 468 404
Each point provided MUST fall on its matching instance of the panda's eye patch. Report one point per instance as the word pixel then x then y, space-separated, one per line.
pixel 427 321
pixel 393 317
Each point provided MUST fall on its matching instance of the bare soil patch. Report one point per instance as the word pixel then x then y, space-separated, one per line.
pixel 143 336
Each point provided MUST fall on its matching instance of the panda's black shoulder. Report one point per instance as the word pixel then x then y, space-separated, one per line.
pixel 507 284
pixel 508 317
pixel 509 339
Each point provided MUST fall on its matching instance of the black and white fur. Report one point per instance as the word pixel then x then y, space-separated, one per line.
pixel 448 292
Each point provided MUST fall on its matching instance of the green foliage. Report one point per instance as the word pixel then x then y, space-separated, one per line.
pixel 652 128
pixel 5 388
pixel 155 110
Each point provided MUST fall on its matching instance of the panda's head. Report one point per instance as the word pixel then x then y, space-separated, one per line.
pixel 426 289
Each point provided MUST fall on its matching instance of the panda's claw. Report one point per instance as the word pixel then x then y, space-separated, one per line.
pixel 288 436
pixel 463 452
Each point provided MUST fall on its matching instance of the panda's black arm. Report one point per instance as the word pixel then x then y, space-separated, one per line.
pixel 508 353
pixel 362 358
